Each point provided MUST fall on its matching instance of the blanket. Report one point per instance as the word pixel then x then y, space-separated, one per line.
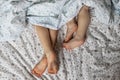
pixel 15 15
pixel 97 59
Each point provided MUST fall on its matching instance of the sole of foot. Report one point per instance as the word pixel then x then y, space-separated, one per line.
pixel 73 44
pixel 40 68
pixel 72 27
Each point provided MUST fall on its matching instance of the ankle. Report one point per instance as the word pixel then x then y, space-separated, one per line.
pixel 79 37
pixel 49 51
pixel 72 22
pixel 51 57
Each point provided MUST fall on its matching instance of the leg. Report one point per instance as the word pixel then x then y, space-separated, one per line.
pixel 53 66
pixel 44 37
pixel 53 35
pixel 83 22
pixel 71 28
pixel 42 65
pixel 39 69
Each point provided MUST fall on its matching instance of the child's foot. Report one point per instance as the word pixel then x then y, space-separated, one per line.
pixel 71 28
pixel 83 22
pixel 40 68
pixel 73 43
pixel 53 65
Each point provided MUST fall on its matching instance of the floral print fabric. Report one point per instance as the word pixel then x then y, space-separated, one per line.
pixel 16 14
pixel 97 59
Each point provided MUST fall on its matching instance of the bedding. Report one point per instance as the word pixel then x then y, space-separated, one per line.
pixel 15 15
pixel 97 59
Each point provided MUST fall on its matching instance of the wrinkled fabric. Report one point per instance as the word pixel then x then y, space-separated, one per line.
pixel 97 59
pixel 8 30
pixel 16 14
pixel 52 14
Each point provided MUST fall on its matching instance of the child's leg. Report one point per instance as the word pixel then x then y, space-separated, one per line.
pixel 53 36
pixel 44 37
pixel 71 28
pixel 54 66
pixel 42 65
pixel 83 22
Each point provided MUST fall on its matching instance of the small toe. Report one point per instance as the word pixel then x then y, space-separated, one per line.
pixel 36 73
pixel 66 46
pixel 66 39
pixel 53 68
pixel 53 71
pixel 32 71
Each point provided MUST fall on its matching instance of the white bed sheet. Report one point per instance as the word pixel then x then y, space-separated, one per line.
pixel 97 59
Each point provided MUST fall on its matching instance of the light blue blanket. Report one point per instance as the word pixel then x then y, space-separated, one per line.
pixel 16 14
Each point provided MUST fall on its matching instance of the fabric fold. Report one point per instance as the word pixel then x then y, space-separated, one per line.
pixel 15 15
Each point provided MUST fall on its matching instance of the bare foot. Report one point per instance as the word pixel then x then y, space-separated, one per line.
pixel 83 23
pixel 72 27
pixel 40 68
pixel 53 65
pixel 73 43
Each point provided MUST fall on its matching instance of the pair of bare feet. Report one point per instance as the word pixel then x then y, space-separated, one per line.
pixel 79 27
pixel 72 40
pixel 51 65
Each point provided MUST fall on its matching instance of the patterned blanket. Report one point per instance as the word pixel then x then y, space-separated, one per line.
pixel 97 59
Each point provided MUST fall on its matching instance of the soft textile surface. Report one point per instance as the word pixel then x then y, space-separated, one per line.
pixel 16 14
pixel 97 59
pixel 52 14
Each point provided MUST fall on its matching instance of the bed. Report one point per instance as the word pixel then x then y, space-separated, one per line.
pixel 97 59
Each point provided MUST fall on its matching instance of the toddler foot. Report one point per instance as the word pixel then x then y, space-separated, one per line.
pixel 40 68
pixel 71 28
pixel 53 65
pixel 73 43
